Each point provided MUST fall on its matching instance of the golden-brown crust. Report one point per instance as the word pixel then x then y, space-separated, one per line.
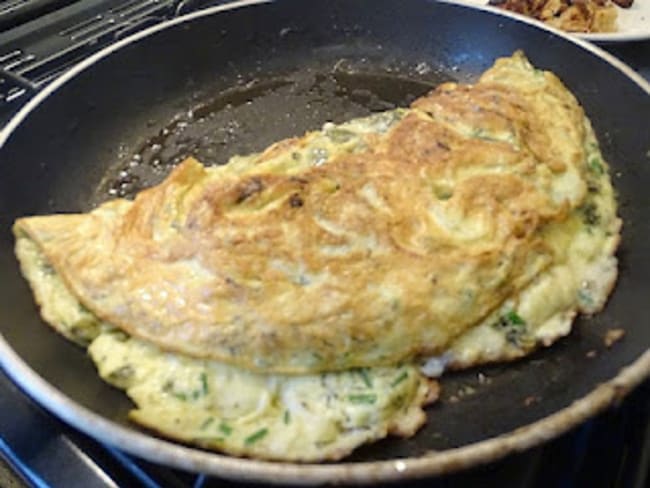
pixel 370 259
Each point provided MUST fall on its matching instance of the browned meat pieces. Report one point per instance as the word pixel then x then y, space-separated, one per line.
pixel 568 15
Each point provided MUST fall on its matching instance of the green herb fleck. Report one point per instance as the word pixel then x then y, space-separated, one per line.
pixel 340 136
pixel 443 192
pixel 400 379
pixel 225 428
pixel 168 387
pixel 204 383
pixel 398 401
pixel 361 398
pixel 363 372
pixel 256 436
pixel 514 318
pixel 287 417
pixel 512 326
pixel 206 423
pixel 209 440
pixel 323 443
pixel 596 165
pixel 590 215
pixel 180 396
pixel 585 297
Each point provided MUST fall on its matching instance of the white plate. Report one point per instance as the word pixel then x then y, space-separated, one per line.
pixel 633 23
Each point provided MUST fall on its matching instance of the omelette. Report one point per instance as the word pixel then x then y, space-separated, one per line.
pixel 296 303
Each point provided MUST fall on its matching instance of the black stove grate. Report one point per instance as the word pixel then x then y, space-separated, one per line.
pixel 49 36
pixel 15 12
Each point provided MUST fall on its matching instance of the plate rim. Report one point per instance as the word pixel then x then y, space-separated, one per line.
pixel 604 38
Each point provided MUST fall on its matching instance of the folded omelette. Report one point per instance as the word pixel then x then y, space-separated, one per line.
pixel 291 304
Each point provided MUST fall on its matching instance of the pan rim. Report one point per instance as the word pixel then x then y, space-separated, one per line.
pixel 447 461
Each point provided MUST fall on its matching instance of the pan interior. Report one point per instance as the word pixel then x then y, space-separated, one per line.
pixel 264 109
pixel 235 82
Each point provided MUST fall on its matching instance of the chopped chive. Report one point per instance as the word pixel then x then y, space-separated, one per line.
pixel 399 379
pixel 204 383
pixel 365 377
pixel 367 398
pixel 398 401
pixel 287 417
pixel 180 396
pixel 596 166
pixel 513 327
pixel 256 436
pixel 206 423
pixel 590 215
pixel 225 428
pixel 340 136
pixel 514 318
pixel 585 297
pixel 210 440
pixel 323 443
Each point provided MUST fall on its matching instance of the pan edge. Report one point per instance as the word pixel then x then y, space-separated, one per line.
pixel 447 461
pixel 610 393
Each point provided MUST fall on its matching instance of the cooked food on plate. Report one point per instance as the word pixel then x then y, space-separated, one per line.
pixel 296 303
pixel 569 15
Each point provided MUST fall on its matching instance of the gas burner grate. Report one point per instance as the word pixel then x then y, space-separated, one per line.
pixel 49 36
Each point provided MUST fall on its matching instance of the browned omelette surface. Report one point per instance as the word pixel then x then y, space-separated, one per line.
pixel 360 245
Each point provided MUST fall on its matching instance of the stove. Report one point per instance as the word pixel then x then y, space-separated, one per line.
pixel 39 40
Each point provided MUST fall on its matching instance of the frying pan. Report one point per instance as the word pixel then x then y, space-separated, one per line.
pixel 232 79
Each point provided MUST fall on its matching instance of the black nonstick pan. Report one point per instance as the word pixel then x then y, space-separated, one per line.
pixel 232 80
